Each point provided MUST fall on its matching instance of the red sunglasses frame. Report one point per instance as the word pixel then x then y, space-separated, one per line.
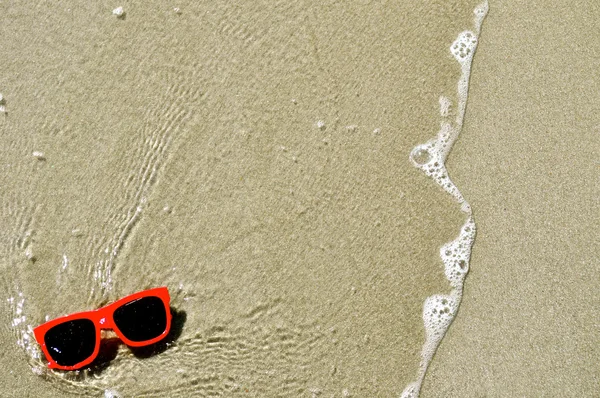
pixel 103 319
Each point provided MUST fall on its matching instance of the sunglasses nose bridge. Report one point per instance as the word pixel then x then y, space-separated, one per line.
pixel 106 322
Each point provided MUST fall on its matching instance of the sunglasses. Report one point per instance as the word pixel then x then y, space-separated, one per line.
pixel 73 341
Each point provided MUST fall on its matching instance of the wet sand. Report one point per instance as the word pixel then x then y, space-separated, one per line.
pixel 253 158
pixel 186 150
pixel 528 162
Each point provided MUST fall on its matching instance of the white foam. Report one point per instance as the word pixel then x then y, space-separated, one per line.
pixel 445 104
pixel 23 330
pixel 119 12
pixel 457 254
pixel 464 46
pixel 111 394
pixel 411 391
pixel 439 310
pixel 438 313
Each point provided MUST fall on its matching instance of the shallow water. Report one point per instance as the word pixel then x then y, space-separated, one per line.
pixel 252 158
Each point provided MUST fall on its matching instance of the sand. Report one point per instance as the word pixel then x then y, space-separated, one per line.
pixel 254 159
pixel 528 162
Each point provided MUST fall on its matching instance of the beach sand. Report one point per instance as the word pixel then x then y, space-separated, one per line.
pixel 253 158
pixel 527 161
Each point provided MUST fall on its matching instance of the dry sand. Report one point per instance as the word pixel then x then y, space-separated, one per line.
pixel 187 150
pixel 529 324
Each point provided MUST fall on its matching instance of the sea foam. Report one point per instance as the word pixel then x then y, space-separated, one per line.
pixel 439 310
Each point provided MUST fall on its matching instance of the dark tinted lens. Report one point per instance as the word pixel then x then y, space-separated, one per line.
pixel 141 319
pixel 71 342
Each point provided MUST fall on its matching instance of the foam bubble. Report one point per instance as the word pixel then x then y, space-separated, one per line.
pixel 456 254
pixel 445 105
pixel 111 394
pixel 480 12
pixel 411 391
pixel 119 12
pixel 464 46
pixel 431 157
pixel 439 310
pixel 421 155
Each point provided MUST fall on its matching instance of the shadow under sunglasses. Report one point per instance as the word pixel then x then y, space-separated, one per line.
pixel 110 346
